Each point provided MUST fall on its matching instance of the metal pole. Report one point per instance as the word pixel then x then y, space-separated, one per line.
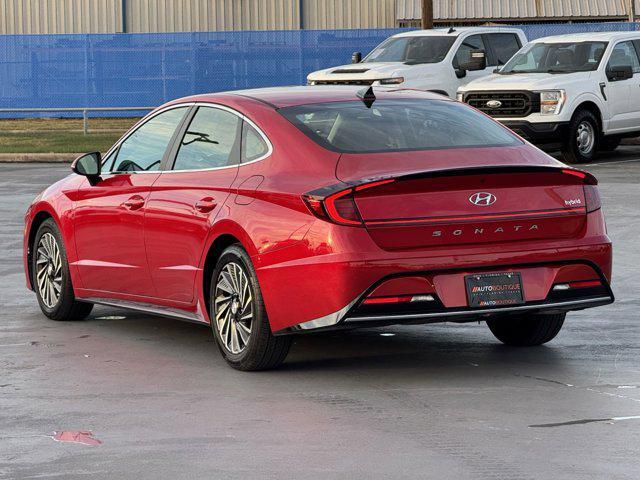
pixel 632 11
pixel 85 122
pixel 427 14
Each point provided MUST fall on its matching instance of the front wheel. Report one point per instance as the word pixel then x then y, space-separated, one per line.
pixel 51 278
pixel 582 143
pixel 238 317
pixel 528 330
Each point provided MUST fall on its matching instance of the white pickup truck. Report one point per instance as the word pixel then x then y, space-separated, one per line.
pixel 580 92
pixel 438 60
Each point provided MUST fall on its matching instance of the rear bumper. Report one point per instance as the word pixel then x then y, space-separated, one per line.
pixel 357 314
pixel 539 133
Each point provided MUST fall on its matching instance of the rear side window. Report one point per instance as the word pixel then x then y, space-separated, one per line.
pixel 211 140
pixel 144 149
pixel 504 46
pixel 397 125
pixel 253 145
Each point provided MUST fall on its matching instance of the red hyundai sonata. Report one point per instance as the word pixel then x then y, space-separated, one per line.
pixel 270 212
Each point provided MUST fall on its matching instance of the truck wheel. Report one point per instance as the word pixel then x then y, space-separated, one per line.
pixel 239 318
pixel 528 330
pixel 609 144
pixel 582 143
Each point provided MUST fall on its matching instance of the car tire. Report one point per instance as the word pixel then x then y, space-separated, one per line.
pixel 528 330
pixel 584 135
pixel 51 277
pixel 609 144
pixel 238 317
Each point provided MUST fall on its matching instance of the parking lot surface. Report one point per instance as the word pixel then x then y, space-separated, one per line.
pixel 434 401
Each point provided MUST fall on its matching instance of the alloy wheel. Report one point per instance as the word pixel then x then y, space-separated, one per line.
pixel 233 307
pixel 49 270
pixel 585 137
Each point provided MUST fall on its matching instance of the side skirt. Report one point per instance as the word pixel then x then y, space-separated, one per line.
pixel 147 308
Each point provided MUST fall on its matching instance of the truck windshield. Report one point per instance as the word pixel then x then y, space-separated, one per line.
pixel 556 58
pixel 397 125
pixel 412 50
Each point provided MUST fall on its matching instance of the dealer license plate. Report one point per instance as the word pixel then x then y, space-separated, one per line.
pixel 494 289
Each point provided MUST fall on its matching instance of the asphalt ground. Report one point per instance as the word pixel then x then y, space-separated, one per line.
pixel 435 401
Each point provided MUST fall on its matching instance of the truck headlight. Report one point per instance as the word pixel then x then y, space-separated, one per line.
pixel 551 101
pixel 460 97
pixel 392 81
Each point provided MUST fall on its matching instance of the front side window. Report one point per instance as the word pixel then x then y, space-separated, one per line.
pixel 211 140
pixel 556 58
pixel 463 55
pixel 504 46
pixel 397 125
pixel 624 54
pixel 143 150
pixel 411 50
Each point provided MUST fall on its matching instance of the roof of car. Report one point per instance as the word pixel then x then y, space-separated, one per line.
pixel 279 97
pixel 588 37
pixel 456 31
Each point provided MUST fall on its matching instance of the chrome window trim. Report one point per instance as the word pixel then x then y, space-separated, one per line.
pixel 242 117
pixel 144 120
pixel 133 130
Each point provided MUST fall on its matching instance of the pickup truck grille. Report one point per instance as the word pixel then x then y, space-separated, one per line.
pixel 506 104
pixel 344 82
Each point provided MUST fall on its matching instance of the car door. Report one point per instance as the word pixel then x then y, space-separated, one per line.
pixel 187 197
pixel 108 214
pixel 623 96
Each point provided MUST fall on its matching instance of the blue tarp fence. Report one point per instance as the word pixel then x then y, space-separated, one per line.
pixel 127 70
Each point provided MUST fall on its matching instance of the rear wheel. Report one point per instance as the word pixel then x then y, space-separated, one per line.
pixel 238 317
pixel 582 143
pixel 51 278
pixel 528 330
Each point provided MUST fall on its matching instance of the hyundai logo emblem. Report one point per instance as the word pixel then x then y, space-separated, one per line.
pixel 483 199
pixel 494 104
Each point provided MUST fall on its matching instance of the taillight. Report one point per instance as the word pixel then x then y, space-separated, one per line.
pixel 592 198
pixel 591 192
pixel 339 207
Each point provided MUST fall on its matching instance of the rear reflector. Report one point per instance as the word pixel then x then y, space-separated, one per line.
pixel 400 299
pixel 581 284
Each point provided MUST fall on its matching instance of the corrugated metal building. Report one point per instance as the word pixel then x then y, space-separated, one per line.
pixel 114 16
pixel 408 12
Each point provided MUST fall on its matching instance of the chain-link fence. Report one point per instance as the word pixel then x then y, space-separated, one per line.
pixel 133 70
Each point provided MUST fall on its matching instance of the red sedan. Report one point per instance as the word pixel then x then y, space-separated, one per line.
pixel 275 211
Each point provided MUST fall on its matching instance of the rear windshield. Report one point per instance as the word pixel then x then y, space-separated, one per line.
pixel 397 125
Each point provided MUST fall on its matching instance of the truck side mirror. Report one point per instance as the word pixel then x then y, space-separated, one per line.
pixel 356 57
pixel 619 72
pixel 477 61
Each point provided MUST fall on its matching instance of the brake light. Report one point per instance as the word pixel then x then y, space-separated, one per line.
pixel 575 173
pixel 592 198
pixel 340 207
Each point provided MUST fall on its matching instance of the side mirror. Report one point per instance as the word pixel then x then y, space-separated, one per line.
pixel 619 72
pixel 477 61
pixel 356 57
pixel 87 165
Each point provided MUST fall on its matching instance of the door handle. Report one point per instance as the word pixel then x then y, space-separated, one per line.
pixel 205 205
pixel 134 203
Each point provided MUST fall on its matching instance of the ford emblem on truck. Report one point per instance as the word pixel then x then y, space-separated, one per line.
pixel 494 104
